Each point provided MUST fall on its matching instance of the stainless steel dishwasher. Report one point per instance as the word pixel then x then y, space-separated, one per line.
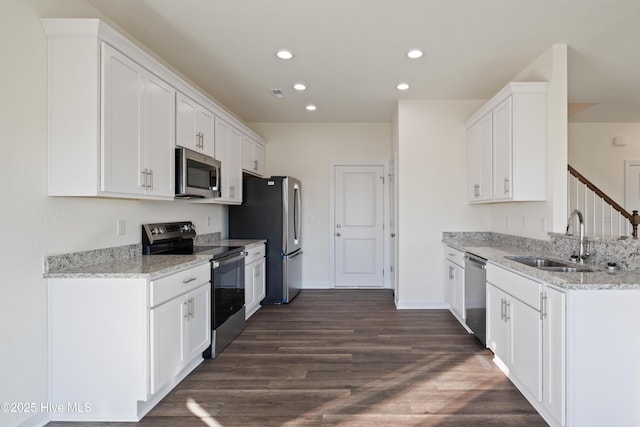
pixel 475 296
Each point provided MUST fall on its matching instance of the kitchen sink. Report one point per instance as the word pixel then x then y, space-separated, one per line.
pixel 548 264
pixel 567 269
pixel 537 262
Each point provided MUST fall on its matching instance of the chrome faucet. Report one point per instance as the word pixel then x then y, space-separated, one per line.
pixel 582 253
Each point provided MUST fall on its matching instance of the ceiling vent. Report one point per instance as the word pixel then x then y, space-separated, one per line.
pixel 277 93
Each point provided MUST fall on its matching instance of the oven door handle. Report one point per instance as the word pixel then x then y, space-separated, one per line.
pixel 229 260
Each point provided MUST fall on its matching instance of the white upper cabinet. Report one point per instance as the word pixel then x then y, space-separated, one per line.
pixel 137 129
pixel 116 115
pixel 507 146
pixel 479 160
pixel 194 126
pixel 252 156
pixel 229 152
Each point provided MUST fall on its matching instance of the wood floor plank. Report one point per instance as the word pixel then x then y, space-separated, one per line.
pixel 346 358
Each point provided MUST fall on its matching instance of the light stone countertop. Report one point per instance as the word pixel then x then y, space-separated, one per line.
pixel 599 279
pixel 247 243
pixel 143 266
pixel 114 262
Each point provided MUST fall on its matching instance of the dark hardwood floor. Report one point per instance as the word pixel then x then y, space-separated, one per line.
pixel 346 358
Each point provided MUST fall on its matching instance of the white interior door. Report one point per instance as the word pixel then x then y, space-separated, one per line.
pixel 392 227
pixel 358 226
pixel 632 185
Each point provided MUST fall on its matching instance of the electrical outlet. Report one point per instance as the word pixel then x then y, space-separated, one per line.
pixel 120 227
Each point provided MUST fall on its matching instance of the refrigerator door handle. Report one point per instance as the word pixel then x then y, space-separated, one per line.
pixel 297 254
pixel 296 213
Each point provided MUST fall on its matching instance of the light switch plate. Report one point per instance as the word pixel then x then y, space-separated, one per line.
pixel 120 227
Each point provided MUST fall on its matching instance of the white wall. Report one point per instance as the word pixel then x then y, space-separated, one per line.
pixel 432 196
pixel 536 219
pixel 34 225
pixel 305 151
pixel 593 154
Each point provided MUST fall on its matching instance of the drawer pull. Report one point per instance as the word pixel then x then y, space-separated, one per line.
pixel 189 280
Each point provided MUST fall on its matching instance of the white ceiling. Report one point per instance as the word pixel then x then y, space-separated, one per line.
pixel 351 53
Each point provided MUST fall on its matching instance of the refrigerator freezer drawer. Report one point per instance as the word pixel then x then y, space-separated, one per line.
pixel 292 283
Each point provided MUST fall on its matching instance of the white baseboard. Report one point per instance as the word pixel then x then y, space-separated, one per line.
pixel 421 305
pixel 37 420
pixel 317 285
pixel 326 285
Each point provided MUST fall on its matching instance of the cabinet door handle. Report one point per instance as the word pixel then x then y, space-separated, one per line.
pixel 451 272
pixel 501 308
pixel 507 305
pixel 476 190
pixel 189 280
pixel 255 165
pixel 144 178
pixel 191 307
pixel 186 309
pixel 543 306
pixel 506 185
pixel 150 179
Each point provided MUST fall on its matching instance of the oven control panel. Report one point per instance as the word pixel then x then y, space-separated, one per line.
pixel 169 231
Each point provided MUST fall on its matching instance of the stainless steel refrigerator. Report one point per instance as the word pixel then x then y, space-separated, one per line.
pixel 271 210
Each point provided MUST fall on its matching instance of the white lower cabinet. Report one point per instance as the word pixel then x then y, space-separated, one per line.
pixel 514 334
pixel 179 333
pixel 167 331
pixel 121 344
pixel 526 330
pixel 454 282
pixel 554 356
pixel 254 278
pixel 514 328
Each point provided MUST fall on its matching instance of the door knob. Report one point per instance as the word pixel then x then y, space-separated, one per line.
pixel 338 226
pixel 338 234
pixel 393 234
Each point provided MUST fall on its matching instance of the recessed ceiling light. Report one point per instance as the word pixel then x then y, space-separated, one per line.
pixel 402 86
pixel 310 107
pixel 299 86
pixel 284 54
pixel 415 54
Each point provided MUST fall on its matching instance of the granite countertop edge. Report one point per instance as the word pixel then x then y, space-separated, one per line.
pixel 247 243
pixel 144 266
pixel 138 267
pixel 599 279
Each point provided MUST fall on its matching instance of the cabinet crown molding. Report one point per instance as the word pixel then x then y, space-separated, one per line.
pixel 103 32
pixel 510 89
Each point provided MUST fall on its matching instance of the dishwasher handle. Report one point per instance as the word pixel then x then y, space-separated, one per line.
pixel 475 262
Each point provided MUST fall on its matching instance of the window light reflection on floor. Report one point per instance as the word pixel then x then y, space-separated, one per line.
pixel 201 413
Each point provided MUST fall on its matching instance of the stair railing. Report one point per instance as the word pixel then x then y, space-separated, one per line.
pixel 603 216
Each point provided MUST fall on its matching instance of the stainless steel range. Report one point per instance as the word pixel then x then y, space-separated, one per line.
pixel 227 276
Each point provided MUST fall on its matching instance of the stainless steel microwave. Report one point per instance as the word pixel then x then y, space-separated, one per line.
pixel 197 175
